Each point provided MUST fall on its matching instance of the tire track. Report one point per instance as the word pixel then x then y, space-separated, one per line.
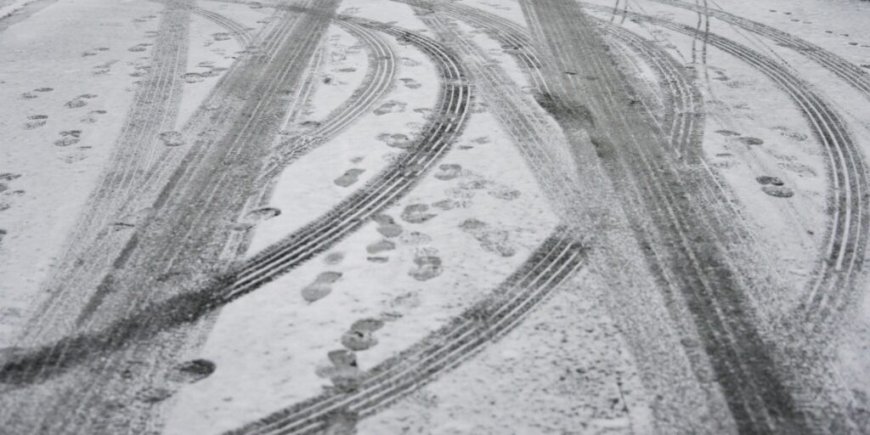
pixel 146 322
pixel 112 246
pixel 831 289
pixel 852 74
pixel 487 321
pixel 241 33
pixel 200 193
pixel 498 92
pixel 702 272
pixel 350 214
pixel 154 109
pixel 376 85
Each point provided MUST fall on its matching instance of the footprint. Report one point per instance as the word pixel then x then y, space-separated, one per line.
pixel 382 246
pixel 448 171
pixel 347 70
pixel 447 204
pixel 138 48
pixel 728 133
pixel 2 234
pixel 778 191
pixel 343 370
pixel 342 421
pixel 490 239
pixel 321 286
pixel 416 213
pixel 8 176
pixel 79 101
pixel 88 53
pixel 43 89
pixel 410 83
pixel 476 183
pixel 35 121
pixel 153 395
pixel 751 140
pixel 104 68
pixel 68 137
pixel 766 179
pixel 333 258
pixel 171 138
pixel 192 77
pixel 262 214
pixel 350 177
pixel 361 334
pixel 398 140
pixel 427 267
pixel 404 302
pixel 391 106
pixel 91 117
pixel 415 238
pixel 391 230
pixel 193 371
pixel 28 95
pixel 387 226
pixel 503 192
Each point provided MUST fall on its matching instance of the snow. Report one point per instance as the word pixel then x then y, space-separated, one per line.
pixel 44 202
pixel 567 367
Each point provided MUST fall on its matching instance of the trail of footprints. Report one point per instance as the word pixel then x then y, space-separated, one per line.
pixel 342 368
pixel 773 186
pixel 7 194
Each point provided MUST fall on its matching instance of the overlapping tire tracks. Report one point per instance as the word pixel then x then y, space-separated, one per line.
pixel 654 187
pixel 837 277
pixel 853 74
pixel 376 85
pixel 436 139
pixel 187 232
pixel 237 30
pixel 94 241
pixel 556 259
pixel 450 116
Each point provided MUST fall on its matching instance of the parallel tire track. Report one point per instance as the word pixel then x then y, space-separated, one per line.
pixel 490 319
pixel 830 290
pixel 853 74
pixel 452 113
pixel 236 29
pixel 168 238
pixel 654 187
pixel 153 110
pixel 838 272
pixel 141 322
pixel 376 85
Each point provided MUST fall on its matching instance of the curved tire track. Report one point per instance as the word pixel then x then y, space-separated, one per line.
pixel 830 291
pixel 238 30
pixel 154 109
pixel 376 85
pixel 145 322
pixel 852 74
pixel 490 319
pixel 654 187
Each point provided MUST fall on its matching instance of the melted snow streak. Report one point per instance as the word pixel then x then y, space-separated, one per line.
pixel 555 260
